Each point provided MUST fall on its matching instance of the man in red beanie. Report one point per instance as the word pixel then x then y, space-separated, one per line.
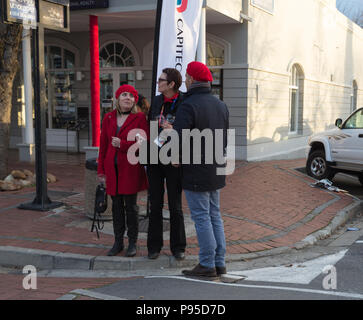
pixel 202 111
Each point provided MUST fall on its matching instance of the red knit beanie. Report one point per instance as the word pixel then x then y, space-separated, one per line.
pixel 127 88
pixel 199 71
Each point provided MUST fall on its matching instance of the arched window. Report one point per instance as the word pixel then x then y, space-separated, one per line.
pixel 116 54
pixel 354 96
pixel 296 99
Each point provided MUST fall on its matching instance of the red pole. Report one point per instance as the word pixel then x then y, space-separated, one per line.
pixel 95 81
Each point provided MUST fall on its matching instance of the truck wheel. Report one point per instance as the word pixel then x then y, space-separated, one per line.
pixel 317 167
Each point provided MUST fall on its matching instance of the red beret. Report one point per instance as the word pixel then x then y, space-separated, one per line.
pixel 127 88
pixel 199 71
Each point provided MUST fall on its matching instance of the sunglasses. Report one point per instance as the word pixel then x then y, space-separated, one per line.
pixel 161 80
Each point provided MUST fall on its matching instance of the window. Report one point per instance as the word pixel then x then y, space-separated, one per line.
pixel 354 96
pixel 215 54
pixel 267 5
pixel 355 121
pixel 116 54
pixel 60 77
pixel 296 100
pixel 215 58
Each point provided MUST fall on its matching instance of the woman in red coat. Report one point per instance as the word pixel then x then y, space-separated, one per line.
pixel 123 179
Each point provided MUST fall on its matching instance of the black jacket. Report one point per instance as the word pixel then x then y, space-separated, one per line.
pixel 157 104
pixel 201 110
pixel 154 113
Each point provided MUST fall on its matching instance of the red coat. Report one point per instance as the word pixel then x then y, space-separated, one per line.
pixel 131 178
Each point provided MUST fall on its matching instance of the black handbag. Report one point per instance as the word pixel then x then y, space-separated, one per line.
pixel 101 199
pixel 100 207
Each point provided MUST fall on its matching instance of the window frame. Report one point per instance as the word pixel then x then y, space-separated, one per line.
pixel 295 83
pixel 119 55
pixel 272 11
pixel 49 73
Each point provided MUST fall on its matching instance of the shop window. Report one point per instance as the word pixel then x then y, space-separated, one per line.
pixel 60 78
pixel 116 54
pixel 215 59
pixel 296 100
pixel 215 54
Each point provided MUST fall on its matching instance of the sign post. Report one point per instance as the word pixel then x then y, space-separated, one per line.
pixel 40 15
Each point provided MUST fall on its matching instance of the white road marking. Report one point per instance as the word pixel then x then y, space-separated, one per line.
pixel 359 241
pixel 301 273
pixel 331 293
pixel 95 295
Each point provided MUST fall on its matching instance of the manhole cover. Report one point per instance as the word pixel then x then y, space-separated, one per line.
pixel 144 225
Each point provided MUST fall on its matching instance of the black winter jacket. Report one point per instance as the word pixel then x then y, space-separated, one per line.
pixel 201 110
pixel 157 104
pixel 154 113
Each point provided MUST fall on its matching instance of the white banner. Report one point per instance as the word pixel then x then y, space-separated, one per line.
pixel 179 33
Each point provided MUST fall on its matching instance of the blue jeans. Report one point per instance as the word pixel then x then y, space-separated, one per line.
pixel 204 209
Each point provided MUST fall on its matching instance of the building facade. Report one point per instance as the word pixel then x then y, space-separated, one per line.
pixel 285 68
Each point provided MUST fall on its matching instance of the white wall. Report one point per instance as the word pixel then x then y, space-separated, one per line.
pixel 327 46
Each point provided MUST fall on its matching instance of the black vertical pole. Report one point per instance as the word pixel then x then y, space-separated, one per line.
pixel 41 201
pixel 155 71
pixel 156 48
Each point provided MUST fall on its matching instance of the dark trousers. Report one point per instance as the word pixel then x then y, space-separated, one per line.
pixel 125 213
pixel 157 174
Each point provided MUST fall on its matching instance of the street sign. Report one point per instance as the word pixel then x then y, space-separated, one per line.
pixel 20 11
pixel 63 2
pixel 88 4
pixel 54 16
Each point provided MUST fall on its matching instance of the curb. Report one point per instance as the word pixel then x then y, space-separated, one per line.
pixel 47 260
pixel 339 220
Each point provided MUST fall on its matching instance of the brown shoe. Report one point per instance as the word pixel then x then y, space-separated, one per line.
pixel 200 271
pixel 221 270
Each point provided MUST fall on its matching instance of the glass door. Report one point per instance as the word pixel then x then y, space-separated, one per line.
pixel 110 81
pixel 106 93
pixel 126 78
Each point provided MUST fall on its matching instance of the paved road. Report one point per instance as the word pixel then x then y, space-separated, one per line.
pixel 341 281
pixel 349 183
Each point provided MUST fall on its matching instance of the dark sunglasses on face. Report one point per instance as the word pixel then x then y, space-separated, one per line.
pixel 161 80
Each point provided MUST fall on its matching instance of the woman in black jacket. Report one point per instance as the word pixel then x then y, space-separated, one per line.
pixel 163 110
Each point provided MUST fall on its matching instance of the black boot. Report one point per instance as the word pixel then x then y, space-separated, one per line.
pixel 131 250
pixel 118 221
pixel 118 246
pixel 132 218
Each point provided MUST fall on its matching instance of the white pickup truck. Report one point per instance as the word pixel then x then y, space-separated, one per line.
pixel 337 150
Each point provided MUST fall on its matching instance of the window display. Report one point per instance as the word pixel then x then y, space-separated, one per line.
pixel 60 78
pixel 61 104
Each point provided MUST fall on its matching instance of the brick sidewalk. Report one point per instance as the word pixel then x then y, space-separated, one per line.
pixel 265 205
